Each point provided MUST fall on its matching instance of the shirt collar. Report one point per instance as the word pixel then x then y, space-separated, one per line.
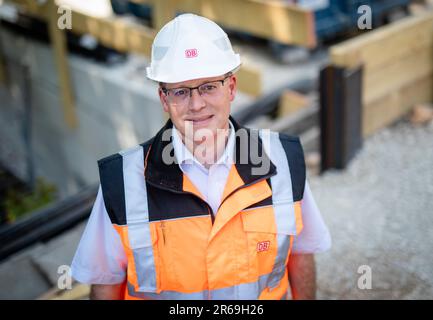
pixel 185 157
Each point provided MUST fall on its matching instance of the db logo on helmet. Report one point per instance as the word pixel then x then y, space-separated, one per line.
pixel 191 53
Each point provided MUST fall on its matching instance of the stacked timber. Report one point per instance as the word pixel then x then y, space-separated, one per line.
pixel 397 63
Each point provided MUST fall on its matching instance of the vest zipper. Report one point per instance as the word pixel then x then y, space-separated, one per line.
pixel 163 231
pixel 212 217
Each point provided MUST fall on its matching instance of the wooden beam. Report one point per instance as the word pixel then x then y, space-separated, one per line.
pixel 386 44
pixel 33 8
pixel 118 33
pixel 386 110
pixel 78 292
pixel 398 68
pixel 58 39
pixel 163 12
pixel 397 74
pixel 273 20
pixel 291 102
pixel 250 80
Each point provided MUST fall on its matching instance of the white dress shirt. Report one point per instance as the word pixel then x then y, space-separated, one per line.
pixel 210 182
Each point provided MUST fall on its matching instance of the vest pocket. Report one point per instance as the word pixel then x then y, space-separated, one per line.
pixel 269 234
pixel 261 241
pixel 143 278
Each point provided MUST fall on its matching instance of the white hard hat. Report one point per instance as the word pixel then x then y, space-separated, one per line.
pixel 191 47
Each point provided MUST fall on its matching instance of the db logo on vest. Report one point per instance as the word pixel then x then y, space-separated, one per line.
pixel 191 53
pixel 263 246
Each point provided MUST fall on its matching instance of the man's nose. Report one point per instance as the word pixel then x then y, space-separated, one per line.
pixel 196 102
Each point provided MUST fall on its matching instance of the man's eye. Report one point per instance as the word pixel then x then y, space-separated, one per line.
pixel 180 92
pixel 208 87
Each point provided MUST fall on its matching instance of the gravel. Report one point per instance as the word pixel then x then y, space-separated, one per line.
pixel 379 212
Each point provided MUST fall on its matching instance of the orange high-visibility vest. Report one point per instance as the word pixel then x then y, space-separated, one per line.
pixel 177 250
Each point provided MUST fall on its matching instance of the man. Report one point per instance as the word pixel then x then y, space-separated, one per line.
pixel 205 209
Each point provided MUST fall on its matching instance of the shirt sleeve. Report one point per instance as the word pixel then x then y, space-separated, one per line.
pixel 100 257
pixel 314 237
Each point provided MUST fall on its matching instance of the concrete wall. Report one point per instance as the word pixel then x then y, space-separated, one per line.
pixel 116 108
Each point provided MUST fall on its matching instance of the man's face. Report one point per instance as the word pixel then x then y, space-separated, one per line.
pixel 209 111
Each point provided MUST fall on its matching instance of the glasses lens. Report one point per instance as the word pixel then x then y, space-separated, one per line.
pixel 209 88
pixel 178 95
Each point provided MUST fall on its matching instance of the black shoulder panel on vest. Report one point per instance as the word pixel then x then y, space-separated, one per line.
pixel 295 156
pixel 113 191
pixel 112 184
pixel 166 205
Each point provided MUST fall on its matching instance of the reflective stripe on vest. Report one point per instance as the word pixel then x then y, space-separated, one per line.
pixel 137 218
pixel 282 198
pixel 243 291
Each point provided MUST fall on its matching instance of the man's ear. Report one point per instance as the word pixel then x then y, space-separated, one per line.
pixel 232 87
pixel 163 99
